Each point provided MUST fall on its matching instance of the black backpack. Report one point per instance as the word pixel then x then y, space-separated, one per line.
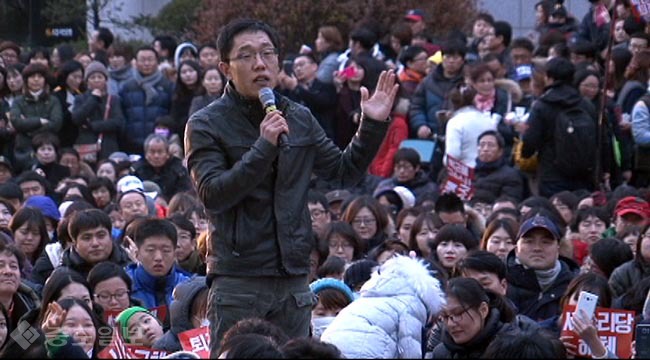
pixel 576 133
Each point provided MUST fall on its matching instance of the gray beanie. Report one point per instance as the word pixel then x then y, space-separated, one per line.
pixel 94 67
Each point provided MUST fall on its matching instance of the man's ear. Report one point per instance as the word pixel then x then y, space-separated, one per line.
pixel 225 69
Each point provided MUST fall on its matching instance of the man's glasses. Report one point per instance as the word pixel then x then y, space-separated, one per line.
pixel 268 55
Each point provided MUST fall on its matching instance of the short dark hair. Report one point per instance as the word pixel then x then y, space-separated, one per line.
pixel 122 49
pixel 366 37
pixel 346 231
pixel 407 154
pixel 523 43
pixel 106 36
pixel 11 190
pixel 45 138
pixel 183 223
pixel 483 261
pixel 32 175
pixel 560 69
pixel 310 348
pixel 107 270
pixel 35 68
pixel 333 265
pixel 583 47
pixel 88 219
pixel 409 53
pixel 609 253
pixel 250 346
pixel 500 140
pixel 503 29
pixel 456 233
pixel 227 34
pixel 259 326
pixel 641 35
pixel 317 197
pixel 155 227
pixel 167 42
pixel 449 203
pixel 15 251
pixel 524 344
pixel 454 47
pixel 485 16
pixel 583 214
pixel 101 181
pixel 146 48
pixel 632 25
pixel 65 70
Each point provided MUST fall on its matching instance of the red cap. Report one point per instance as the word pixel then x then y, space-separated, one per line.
pixel 633 205
pixel 414 15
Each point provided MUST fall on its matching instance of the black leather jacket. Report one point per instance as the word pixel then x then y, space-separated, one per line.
pixel 255 193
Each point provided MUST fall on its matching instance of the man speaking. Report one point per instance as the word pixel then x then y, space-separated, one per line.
pixel 255 191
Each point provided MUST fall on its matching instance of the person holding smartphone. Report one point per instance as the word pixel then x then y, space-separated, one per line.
pixel 583 324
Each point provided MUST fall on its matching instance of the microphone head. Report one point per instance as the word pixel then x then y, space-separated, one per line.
pixel 267 98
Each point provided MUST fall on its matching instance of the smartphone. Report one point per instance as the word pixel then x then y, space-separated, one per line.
pixel 287 67
pixel 642 345
pixel 348 72
pixel 587 302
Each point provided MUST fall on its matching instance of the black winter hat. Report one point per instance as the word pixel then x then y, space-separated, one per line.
pixel 359 272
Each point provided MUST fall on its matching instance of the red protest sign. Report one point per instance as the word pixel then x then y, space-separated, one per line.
pixel 110 316
pixel 615 329
pixel 459 179
pixel 160 312
pixel 196 341
pixel 641 8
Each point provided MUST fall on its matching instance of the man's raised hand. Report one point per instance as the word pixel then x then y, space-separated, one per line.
pixel 378 106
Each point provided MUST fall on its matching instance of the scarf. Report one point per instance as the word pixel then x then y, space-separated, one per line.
pixel 485 102
pixel 147 84
pixel 121 74
pixel 545 278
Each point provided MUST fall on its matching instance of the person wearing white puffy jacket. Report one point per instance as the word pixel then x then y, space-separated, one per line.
pixel 386 321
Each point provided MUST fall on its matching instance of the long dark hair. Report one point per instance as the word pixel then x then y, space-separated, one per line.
pixel 101 337
pixel 33 218
pixel 58 280
pixel 470 294
pixel 182 90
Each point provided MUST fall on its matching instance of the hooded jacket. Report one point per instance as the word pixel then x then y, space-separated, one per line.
pixel 180 312
pixel 526 294
pixel 540 135
pixel 387 320
pixel 254 194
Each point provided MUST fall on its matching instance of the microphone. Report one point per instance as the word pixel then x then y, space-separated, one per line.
pixel 267 98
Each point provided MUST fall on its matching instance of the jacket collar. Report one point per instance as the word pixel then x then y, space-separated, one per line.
pixel 154 283
pixel 480 341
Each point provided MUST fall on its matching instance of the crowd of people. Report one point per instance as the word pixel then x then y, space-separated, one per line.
pixel 144 192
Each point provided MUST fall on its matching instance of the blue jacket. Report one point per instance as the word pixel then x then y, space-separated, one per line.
pixel 140 118
pixel 431 96
pixel 146 285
